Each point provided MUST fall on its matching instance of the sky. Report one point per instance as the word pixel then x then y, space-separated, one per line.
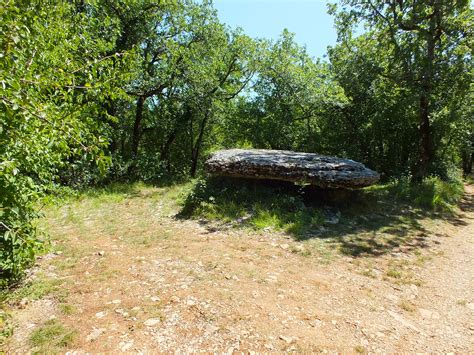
pixel 308 19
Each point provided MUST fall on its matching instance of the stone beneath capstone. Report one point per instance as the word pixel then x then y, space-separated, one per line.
pixel 309 168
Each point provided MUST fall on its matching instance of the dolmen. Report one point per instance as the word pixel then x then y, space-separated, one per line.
pixel 305 168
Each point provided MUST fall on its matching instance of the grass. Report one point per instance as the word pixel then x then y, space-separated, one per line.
pixel 359 349
pixel 67 309
pixel 126 212
pixel 369 273
pixel 433 193
pixel 6 327
pixel 36 289
pixel 371 220
pixel 394 273
pixel 52 337
pixel 407 306
pixel 402 272
pixel 115 194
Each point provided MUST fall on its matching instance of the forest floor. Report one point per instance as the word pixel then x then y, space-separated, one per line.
pixel 125 274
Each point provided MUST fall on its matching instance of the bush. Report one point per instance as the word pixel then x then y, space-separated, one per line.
pixel 45 125
pixel 432 193
pixel 18 239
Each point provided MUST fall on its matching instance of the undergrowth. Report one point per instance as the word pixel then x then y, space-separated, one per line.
pixel 253 204
pixel 6 328
pixel 297 210
pixel 432 193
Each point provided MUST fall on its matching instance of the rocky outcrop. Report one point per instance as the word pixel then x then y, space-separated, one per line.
pixel 314 169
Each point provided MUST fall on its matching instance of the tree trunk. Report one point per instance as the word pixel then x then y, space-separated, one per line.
pixel 197 147
pixel 425 149
pixel 425 145
pixel 467 162
pixel 179 124
pixel 165 151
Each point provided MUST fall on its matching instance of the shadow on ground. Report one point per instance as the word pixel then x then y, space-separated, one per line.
pixel 371 221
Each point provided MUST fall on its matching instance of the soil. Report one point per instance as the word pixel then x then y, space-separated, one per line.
pixel 182 285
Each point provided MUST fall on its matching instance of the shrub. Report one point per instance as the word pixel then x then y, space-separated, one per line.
pixel 46 122
pixel 432 193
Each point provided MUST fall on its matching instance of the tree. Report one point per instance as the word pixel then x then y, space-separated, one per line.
pixel 186 70
pixel 377 126
pixel 424 49
pixel 221 71
pixel 54 72
pixel 291 101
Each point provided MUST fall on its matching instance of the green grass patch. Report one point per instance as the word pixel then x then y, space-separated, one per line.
pixel 407 306
pixel 359 349
pixel 52 337
pixel 394 273
pixel 402 272
pixel 67 308
pixel 115 193
pixel 36 289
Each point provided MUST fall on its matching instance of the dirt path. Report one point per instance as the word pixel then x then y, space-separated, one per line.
pixel 132 278
pixel 446 301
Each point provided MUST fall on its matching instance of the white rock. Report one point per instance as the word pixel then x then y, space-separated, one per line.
pixel 332 220
pixel 100 314
pixel 152 322
pixel 392 298
pixel 175 299
pixel 97 332
pixel 299 247
pixel 316 323
pixel 190 302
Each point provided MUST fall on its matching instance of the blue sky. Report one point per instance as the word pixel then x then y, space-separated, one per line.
pixel 308 19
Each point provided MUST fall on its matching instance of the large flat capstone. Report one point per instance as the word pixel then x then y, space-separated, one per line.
pixel 310 168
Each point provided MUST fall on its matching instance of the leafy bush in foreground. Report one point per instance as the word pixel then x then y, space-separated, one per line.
pixel 54 76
